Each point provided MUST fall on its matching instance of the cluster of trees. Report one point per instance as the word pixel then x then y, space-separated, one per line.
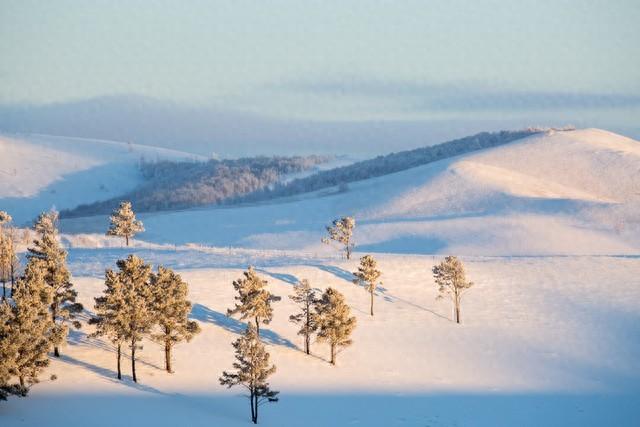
pixel 138 303
pixel 390 163
pixel 35 317
pixel 184 184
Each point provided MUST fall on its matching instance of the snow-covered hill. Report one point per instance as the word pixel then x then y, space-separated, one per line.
pixel 39 171
pixel 570 192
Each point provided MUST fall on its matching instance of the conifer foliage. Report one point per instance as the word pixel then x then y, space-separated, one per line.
pixel 27 330
pixel 252 369
pixel 52 258
pixel 368 275
pixel 9 263
pixel 124 222
pixel 341 231
pixel 334 321
pixel 253 300
pixel 451 280
pixel 306 297
pixel 108 318
pixel 171 310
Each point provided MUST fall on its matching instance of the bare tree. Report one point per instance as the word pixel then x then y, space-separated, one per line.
pixel 451 280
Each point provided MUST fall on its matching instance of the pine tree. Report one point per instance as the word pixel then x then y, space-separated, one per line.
pixel 47 251
pixel 5 218
pixel 451 280
pixel 32 332
pixel 171 310
pixel 7 353
pixel 124 223
pixel 252 370
pixel 306 298
pixel 341 231
pixel 334 321
pixel 9 263
pixel 108 319
pixel 254 301
pixel 368 275
pixel 135 316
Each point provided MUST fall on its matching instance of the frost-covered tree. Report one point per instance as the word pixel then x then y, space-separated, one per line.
pixel 334 321
pixel 8 261
pixel 135 316
pixel 124 222
pixel 252 369
pixel 46 250
pixel 7 352
pixel 5 218
pixel 341 231
pixel 171 310
pixel 367 276
pixel 306 297
pixel 451 280
pixel 253 300
pixel 31 331
pixel 109 318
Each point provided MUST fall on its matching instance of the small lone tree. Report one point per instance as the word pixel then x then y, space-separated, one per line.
pixel 451 280
pixel 341 231
pixel 108 319
pixel 368 275
pixel 254 301
pixel 306 297
pixel 31 329
pixel 171 310
pixel 124 222
pixel 334 321
pixel 47 251
pixel 252 370
pixel 136 314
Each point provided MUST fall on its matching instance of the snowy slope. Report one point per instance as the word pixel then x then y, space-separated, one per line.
pixel 575 192
pixel 544 341
pixel 40 171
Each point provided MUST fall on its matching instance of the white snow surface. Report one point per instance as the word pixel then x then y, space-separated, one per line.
pixel 575 192
pixel 38 172
pixel 547 228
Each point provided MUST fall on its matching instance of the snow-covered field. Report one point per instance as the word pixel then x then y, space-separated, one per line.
pixel 549 232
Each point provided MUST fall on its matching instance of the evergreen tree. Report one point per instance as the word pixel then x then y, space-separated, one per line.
pixel 9 263
pixel 109 319
pixel 171 310
pixel 135 316
pixel 47 251
pixel 341 231
pixel 7 353
pixel 368 275
pixel 252 370
pixel 31 330
pixel 451 280
pixel 5 218
pixel 254 301
pixel 334 321
pixel 124 223
pixel 306 297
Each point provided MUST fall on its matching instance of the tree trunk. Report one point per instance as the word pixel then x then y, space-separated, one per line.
pixel 258 326
pixel 307 336
pixel 126 238
pixel 333 354
pixel 13 279
pixel 253 412
pixel 21 381
pixel 457 310
pixel 133 360
pixel 371 301
pixel 167 356
pixel 119 356
pixel 56 350
pixel 4 291
pixel 307 344
pixel 255 421
pixel 348 249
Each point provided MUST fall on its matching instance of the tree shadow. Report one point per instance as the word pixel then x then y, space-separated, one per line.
pixel 109 374
pixel 205 314
pixel 287 278
pixel 336 271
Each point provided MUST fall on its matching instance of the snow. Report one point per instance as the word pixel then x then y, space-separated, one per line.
pixel 547 228
pixel 544 340
pixel 41 171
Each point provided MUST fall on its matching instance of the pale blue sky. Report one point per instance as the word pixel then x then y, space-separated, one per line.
pixel 330 59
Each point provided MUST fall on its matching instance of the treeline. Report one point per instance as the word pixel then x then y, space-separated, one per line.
pixel 173 185
pixel 390 163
